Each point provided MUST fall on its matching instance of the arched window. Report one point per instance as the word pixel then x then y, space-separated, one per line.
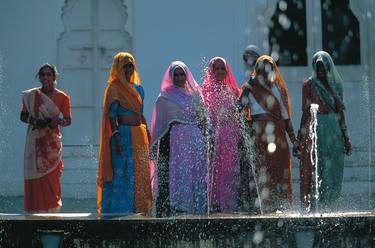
pixel 340 30
pixel 287 33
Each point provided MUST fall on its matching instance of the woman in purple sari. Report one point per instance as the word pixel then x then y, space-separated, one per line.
pixel 178 145
pixel 221 93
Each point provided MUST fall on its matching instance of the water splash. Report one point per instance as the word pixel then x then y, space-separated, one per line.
pixel 6 121
pixel 248 154
pixel 314 152
pixel 203 65
pixel 366 104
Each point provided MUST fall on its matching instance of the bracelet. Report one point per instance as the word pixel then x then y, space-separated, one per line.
pixel 114 132
pixel 62 122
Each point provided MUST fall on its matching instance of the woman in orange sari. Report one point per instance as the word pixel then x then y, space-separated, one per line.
pixel 124 184
pixel 44 109
pixel 267 98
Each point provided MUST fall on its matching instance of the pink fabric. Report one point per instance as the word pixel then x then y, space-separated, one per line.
pixel 229 81
pixel 181 98
pixel 174 104
pixel 220 99
pixel 191 85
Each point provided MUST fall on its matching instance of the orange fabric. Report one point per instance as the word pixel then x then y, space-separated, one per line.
pixel 43 194
pixel 280 79
pixel 118 89
pixel 273 170
pixel 262 95
pixel 142 180
pixel 62 101
pixel 247 111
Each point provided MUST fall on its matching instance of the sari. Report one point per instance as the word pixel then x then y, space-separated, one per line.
pixel 124 180
pixel 43 149
pixel 273 161
pixel 330 139
pixel 178 146
pixel 220 98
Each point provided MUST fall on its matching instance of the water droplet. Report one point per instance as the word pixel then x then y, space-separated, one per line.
pixel 258 237
pixel 283 5
pixel 271 147
pixel 284 21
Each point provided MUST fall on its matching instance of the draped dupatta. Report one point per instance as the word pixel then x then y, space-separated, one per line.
pixel 263 95
pixel 220 96
pixel 334 81
pixel 118 89
pixel 174 105
pixel 43 146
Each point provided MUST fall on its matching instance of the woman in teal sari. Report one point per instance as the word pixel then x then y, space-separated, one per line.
pixel 324 88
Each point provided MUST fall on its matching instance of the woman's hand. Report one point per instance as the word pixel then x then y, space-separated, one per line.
pixel 39 123
pixel 296 149
pixel 347 146
pixel 119 148
pixel 54 123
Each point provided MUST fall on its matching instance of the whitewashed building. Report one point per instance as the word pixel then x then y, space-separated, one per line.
pixel 81 36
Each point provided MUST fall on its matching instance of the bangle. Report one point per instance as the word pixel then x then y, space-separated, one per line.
pixel 62 122
pixel 114 132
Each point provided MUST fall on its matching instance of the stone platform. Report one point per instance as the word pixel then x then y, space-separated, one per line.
pixel 345 229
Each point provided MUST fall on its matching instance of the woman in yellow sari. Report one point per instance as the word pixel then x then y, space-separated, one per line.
pixel 124 174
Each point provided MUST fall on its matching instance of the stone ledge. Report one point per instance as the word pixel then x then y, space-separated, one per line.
pixel 281 230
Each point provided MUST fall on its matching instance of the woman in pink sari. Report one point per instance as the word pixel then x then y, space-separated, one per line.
pixel 44 109
pixel 220 92
pixel 178 145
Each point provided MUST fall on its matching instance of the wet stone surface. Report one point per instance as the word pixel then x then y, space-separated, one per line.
pixel 350 229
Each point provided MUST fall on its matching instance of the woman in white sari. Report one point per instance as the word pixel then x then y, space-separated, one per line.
pixel 44 109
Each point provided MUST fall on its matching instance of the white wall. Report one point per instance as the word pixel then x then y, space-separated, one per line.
pixel 193 32
pixel 28 34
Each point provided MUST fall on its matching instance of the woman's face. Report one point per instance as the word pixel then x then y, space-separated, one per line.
pixel 129 70
pixel 250 58
pixel 47 78
pixel 320 71
pixel 267 72
pixel 179 77
pixel 220 72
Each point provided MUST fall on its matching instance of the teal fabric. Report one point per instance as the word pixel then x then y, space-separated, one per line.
pixel 334 80
pixel 330 145
pixel 116 110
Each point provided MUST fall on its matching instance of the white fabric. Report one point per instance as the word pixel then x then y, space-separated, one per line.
pixel 256 109
pixel 32 162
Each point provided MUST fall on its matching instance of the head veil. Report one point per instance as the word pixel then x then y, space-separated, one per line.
pixel 333 78
pixel 279 79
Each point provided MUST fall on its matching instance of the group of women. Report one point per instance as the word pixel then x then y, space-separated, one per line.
pixel 215 148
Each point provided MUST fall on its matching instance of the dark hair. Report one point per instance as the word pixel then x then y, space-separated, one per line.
pixel 51 67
